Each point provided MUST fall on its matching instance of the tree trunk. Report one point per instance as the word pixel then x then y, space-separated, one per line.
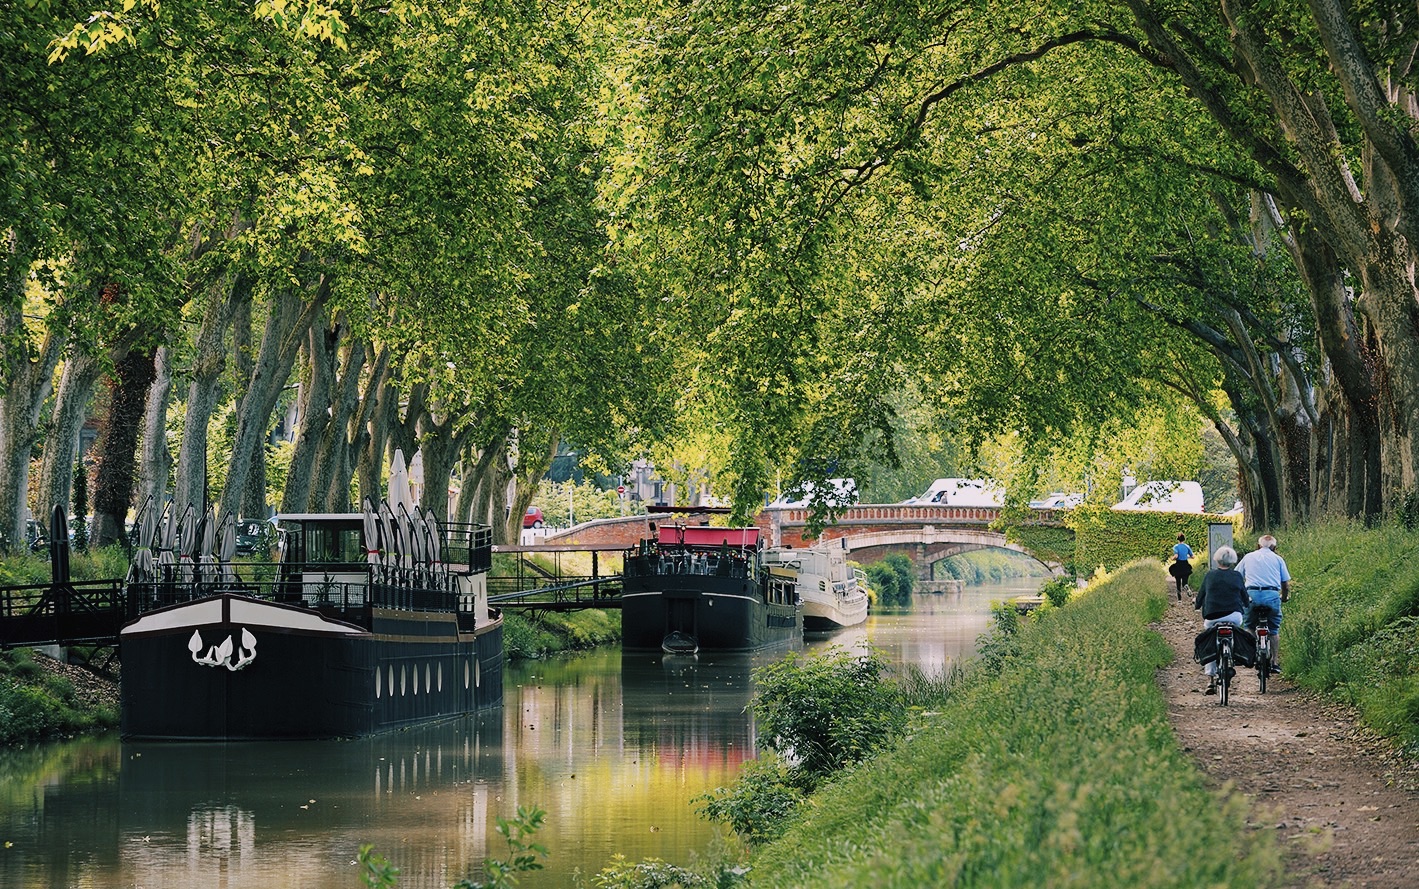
pixel 368 432
pixel 156 461
pixel 61 447
pixel 287 323
pixel 28 377
pixel 333 465
pixel 314 401
pixel 117 445
pixel 440 443
pixel 208 361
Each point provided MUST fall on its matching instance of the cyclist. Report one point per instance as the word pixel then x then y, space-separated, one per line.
pixel 1181 569
pixel 1268 583
pixel 1221 599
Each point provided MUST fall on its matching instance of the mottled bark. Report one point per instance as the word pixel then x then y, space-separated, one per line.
pixel 288 321
pixel 117 445
pixel 204 393
pixel 155 465
pixel 23 390
pixel 77 380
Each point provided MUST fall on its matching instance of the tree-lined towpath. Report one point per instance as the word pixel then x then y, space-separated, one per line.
pixel 1343 802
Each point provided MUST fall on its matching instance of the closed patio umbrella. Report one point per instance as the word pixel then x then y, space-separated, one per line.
pixel 206 548
pixel 186 541
pixel 226 550
pixel 388 542
pixel 166 537
pixel 140 570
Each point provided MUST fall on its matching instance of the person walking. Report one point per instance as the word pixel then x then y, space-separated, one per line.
pixel 1181 569
pixel 1268 583
pixel 1221 599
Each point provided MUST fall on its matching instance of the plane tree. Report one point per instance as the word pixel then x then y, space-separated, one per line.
pixel 782 125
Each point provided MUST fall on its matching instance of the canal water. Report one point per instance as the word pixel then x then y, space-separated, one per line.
pixel 615 749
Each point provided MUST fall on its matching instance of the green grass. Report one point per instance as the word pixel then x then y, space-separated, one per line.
pixel 526 636
pixel 1057 768
pixel 39 706
pixel 1351 628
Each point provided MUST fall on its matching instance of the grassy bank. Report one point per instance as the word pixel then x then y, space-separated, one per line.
pixel 525 636
pixel 39 700
pixel 1055 768
pixel 1351 629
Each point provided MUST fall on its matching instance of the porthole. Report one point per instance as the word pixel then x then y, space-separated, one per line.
pixel 403 677
pixel 428 679
pixel 416 679
pixel 391 680
pixel 378 681
pixel 465 673
pixel 440 675
pixel 478 673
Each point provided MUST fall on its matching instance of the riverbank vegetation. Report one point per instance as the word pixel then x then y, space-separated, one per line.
pixel 1051 764
pixel 533 636
pixel 1351 627
pixel 989 566
pixel 38 702
pixel 891 581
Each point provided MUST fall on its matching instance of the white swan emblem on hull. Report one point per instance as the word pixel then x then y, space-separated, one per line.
pixel 221 655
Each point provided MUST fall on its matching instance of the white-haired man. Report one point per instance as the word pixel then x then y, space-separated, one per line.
pixel 1268 585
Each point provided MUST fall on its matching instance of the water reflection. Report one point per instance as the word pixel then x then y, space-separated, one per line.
pixel 614 748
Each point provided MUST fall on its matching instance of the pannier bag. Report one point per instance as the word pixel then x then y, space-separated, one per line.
pixel 1204 647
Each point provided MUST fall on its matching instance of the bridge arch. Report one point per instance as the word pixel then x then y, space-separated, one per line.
pixel 927 546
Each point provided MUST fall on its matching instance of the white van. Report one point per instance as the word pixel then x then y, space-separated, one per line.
pixel 1163 496
pixel 962 492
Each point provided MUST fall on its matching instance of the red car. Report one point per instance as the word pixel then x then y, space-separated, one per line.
pixel 533 517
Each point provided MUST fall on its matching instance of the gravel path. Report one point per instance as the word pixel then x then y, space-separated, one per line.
pixel 1344 803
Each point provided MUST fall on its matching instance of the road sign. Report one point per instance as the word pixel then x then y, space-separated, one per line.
pixel 620 489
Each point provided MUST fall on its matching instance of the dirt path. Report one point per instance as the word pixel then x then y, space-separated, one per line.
pixel 1344 804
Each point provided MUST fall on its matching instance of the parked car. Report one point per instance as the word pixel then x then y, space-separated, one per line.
pixel 254 536
pixel 533 517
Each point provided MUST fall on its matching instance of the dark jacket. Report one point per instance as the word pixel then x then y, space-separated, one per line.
pixel 1223 592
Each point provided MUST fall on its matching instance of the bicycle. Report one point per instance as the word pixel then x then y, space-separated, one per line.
pixel 1225 659
pixel 1259 622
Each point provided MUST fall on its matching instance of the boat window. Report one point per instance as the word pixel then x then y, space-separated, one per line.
pixel 328 543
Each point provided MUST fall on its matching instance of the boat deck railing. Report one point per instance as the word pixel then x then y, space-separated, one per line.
pixel 688 562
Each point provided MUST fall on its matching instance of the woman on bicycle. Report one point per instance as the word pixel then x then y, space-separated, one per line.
pixel 1221 599
pixel 1181 569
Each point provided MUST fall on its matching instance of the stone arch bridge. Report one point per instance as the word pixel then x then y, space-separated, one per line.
pixel 925 534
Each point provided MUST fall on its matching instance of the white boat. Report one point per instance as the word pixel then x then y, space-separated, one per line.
pixel 827 584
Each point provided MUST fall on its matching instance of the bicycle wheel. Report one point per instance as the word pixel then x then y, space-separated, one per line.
pixel 1224 676
pixel 1263 667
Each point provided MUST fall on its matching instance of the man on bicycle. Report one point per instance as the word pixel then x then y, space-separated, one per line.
pixel 1268 584
pixel 1221 600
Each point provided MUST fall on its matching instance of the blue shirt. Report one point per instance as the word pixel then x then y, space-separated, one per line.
pixel 1263 569
pixel 1182 551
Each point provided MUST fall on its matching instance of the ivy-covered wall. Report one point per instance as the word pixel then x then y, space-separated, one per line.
pixel 1109 538
pixel 1046 543
pixel 1104 537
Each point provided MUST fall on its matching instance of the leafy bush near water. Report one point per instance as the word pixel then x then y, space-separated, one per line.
pixel 1057 767
pixel 892 580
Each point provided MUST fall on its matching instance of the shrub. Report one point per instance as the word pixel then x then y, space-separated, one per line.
pixel 827 711
pixel 1058 591
pixel 761 802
